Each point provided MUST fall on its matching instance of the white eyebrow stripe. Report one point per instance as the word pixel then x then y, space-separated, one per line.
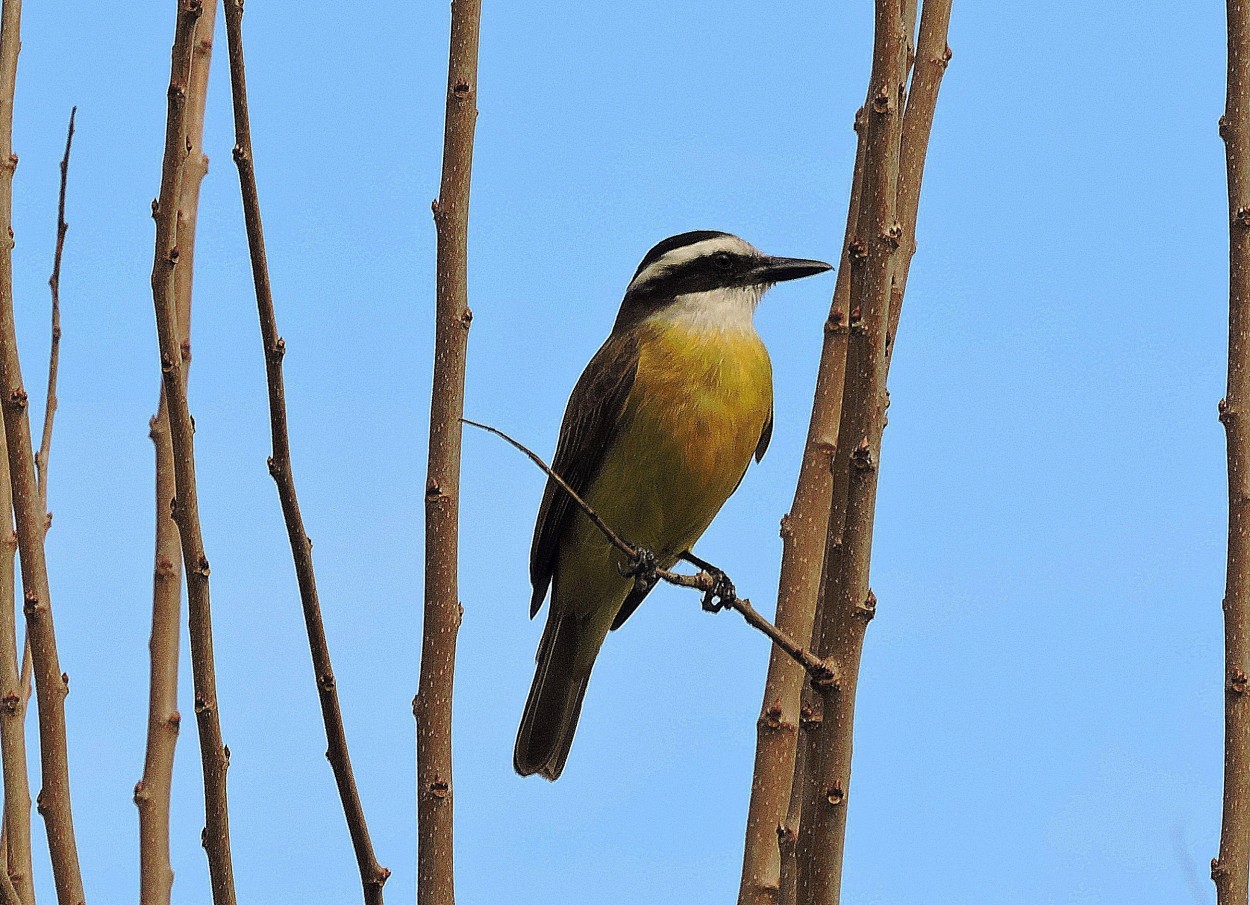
pixel 688 253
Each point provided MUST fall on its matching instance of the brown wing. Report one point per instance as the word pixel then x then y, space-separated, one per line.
pixel 590 423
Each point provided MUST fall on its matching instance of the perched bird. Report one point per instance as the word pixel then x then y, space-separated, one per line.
pixel 658 433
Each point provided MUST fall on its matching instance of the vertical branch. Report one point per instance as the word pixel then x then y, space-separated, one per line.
pixel 50 685
pixel 372 874
pixel 432 705
pixel 54 352
pixel 152 793
pixel 13 705
pixel 769 832
pixel 848 602
pixel 1231 869
pixel 932 56
pixel 214 755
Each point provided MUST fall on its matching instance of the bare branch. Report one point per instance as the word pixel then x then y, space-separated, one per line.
pixel 372 874
pixel 166 262
pixel 441 624
pixel 152 794
pixel 718 592
pixel 803 532
pixel 847 602
pixel 13 706
pixel 50 685
pixel 1231 869
pixel 54 354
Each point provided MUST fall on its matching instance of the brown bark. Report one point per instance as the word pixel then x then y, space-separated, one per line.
pixel 372 874
pixel 848 603
pixel 13 705
pixel 432 705
pixel 1231 869
pixel 803 532
pixel 166 262
pixel 51 686
pixel 152 793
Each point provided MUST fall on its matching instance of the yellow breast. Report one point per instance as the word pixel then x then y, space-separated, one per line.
pixel 692 421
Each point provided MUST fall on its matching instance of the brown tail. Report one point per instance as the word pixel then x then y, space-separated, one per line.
pixel 555 700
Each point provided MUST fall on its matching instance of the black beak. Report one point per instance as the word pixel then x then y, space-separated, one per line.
pixel 778 270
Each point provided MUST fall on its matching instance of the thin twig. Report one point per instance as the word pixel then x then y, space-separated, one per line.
pixel 717 590
pixel 1231 868
pixel 152 793
pixel 372 874
pixel 51 686
pixel 54 354
pixel 166 261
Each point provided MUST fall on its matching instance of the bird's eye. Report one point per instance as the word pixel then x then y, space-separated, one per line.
pixel 723 261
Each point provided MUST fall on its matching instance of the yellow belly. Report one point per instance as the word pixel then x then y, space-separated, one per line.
pixel 692 421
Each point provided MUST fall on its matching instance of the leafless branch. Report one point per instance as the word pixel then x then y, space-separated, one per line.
pixel 372 874
pixel 718 592
pixel 50 685
pixel 1231 868
pixel 166 262
pixel 432 705
pixel 847 601
pixel 152 794
pixel 54 353
pixel 17 841
pixel 803 532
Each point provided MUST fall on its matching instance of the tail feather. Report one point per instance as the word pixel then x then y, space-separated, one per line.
pixel 555 699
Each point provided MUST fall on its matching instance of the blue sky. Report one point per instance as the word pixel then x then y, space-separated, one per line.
pixel 1040 711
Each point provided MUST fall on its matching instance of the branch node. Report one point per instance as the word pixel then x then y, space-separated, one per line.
pixel 1238 684
pixel 861 456
pixel 835 794
pixel 18 398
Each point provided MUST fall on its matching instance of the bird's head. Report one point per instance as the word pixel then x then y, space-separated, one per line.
pixel 711 279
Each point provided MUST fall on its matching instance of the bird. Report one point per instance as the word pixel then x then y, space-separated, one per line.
pixel 658 433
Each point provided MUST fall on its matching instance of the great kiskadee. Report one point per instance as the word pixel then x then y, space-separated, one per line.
pixel 658 433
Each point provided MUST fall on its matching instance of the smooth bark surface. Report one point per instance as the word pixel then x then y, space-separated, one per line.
pixel 152 793
pixel 50 685
pixel 166 261
pixel 1231 869
pixel 372 874
pixel 432 705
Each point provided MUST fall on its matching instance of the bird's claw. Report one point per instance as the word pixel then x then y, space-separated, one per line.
pixel 644 570
pixel 721 594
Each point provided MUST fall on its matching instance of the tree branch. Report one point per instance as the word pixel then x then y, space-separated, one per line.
pixel 166 260
pixel 803 541
pixel 372 874
pixel 13 707
pixel 432 705
pixel 54 353
pixel 718 592
pixel 50 685
pixel 848 603
pixel 1231 868
pixel 152 793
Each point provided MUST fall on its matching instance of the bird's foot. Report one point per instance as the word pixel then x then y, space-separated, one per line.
pixel 644 570
pixel 720 592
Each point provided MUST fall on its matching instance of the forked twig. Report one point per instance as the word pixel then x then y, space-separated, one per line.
pixel 718 592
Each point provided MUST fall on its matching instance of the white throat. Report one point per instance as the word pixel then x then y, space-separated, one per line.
pixel 727 310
